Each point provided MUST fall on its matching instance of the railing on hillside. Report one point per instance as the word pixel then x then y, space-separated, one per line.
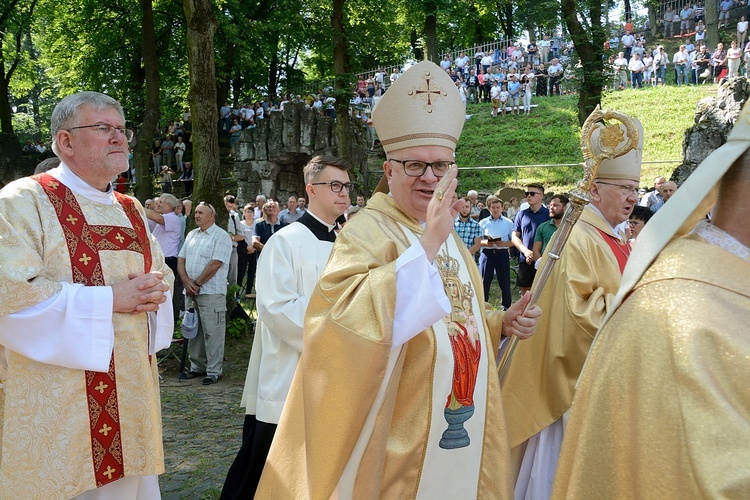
pixel 495 48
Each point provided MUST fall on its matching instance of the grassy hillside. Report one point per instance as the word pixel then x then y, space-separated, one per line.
pixel 551 134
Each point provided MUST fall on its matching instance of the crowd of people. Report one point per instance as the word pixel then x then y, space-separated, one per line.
pixel 693 62
pixel 373 367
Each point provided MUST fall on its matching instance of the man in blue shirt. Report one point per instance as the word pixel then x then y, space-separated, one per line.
pixel 514 87
pixel 495 259
pixel 467 228
pixel 527 221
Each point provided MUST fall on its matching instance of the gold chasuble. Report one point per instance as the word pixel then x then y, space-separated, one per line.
pixel 541 380
pixel 663 406
pixel 363 420
pixel 48 450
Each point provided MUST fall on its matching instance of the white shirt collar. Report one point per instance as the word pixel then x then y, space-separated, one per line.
pixel 329 226
pixel 64 174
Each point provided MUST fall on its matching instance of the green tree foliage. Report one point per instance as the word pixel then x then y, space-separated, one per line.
pixel 15 22
pixel 261 47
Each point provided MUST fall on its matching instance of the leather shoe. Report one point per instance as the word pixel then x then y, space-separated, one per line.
pixel 211 379
pixel 191 374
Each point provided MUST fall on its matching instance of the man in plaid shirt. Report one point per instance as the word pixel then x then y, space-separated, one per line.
pixel 467 228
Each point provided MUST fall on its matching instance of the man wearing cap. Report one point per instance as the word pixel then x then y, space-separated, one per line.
pixel 676 403
pixel 541 380
pixel 396 394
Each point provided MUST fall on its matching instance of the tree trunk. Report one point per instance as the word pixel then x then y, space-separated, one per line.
pixel 342 80
pixel 430 31
pixel 416 47
pixel 144 178
pixel 273 70
pixel 201 27
pixel 712 25
pixel 6 113
pixel 504 10
pixel 222 88
pixel 628 11
pixel 589 47
pixel 653 22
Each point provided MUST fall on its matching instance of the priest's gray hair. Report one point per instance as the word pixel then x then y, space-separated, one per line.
pixel 65 113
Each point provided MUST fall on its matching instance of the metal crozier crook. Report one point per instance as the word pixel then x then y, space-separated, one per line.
pixel 610 144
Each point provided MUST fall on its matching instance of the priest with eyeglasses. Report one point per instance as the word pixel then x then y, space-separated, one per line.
pixel 396 394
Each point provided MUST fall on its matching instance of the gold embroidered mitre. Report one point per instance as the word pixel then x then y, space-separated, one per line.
pixel 617 148
pixel 422 108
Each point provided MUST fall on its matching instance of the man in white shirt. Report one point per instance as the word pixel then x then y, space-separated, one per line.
pixel 495 96
pixel 462 64
pixel 636 68
pixel 203 264
pixel 225 114
pixel 248 116
pixel 681 59
pixel 486 62
pixel 380 75
pixel 235 233
pixel 621 71
pixel 544 47
pixel 394 75
pixel 555 71
pixel 628 41
pixel 288 271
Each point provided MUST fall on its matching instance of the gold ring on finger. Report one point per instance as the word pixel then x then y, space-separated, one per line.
pixel 439 195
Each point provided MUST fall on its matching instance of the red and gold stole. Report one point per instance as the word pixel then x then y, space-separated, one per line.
pixel 84 243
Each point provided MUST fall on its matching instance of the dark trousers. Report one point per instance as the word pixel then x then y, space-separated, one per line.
pixel 177 291
pixel 496 263
pixel 246 264
pixel 244 474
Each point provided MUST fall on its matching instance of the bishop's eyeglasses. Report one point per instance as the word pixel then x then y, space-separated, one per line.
pixel 416 168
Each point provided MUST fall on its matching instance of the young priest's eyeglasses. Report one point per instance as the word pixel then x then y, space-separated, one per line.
pixel 336 186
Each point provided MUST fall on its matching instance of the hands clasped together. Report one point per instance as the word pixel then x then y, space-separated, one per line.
pixel 141 292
